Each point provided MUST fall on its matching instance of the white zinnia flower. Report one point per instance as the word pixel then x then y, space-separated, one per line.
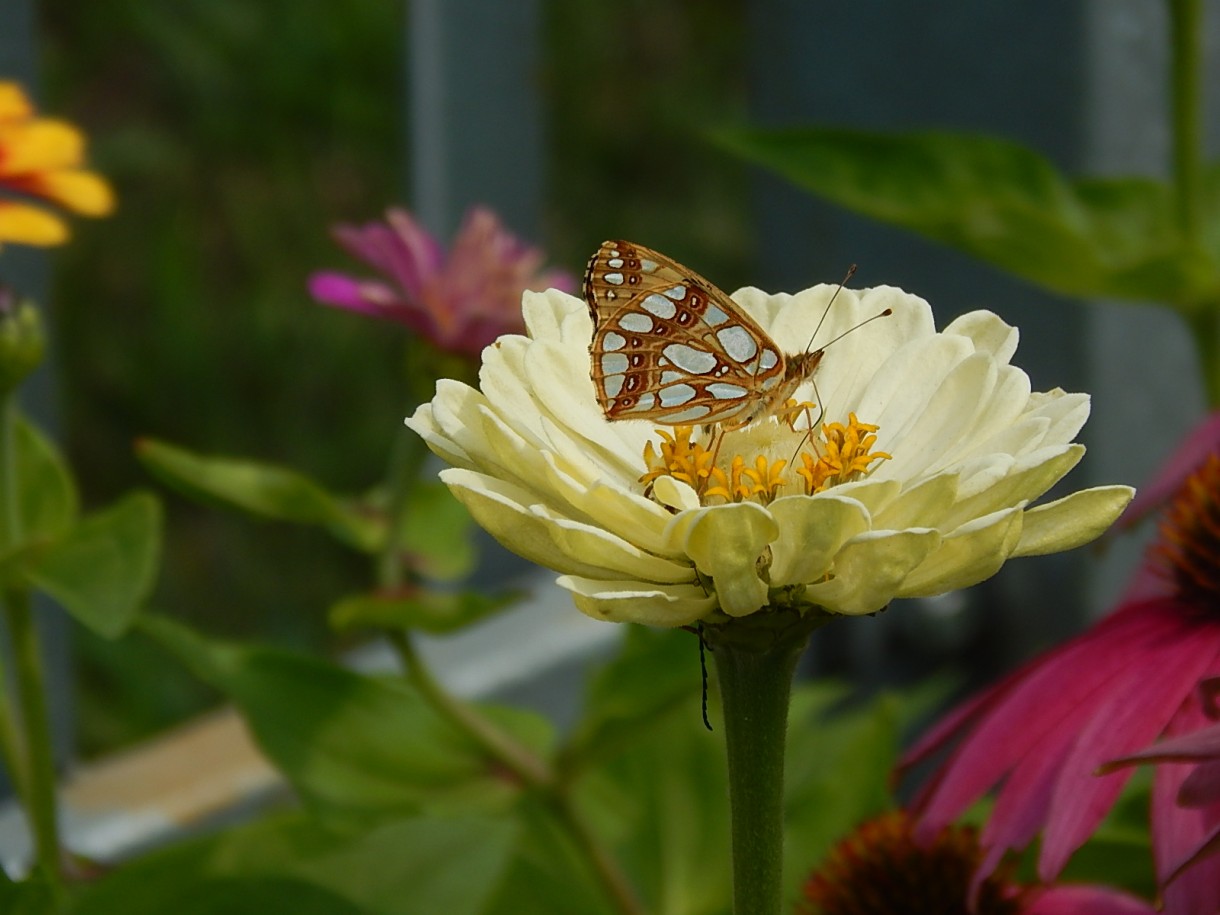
pixel 945 448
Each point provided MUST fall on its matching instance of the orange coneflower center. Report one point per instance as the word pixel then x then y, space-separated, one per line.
pixel 1190 537
pixel 880 870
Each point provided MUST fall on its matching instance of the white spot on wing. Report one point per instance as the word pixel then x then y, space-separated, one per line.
pixel 612 341
pixel 659 306
pixel 635 322
pixel 615 262
pixel 678 293
pixel 613 363
pixel 613 384
pixel 614 279
pixel 737 342
pixel 676 394
pixel 648 266
pixel 694 361
pixel 723 391
pixel 768 359
pixel 670 377
pixel 714 316
pixel 690 414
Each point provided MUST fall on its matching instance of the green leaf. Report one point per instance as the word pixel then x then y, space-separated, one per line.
pixel 655 673
pixel 1000 202
pixel 264 490
pixel 436 532
pixel 418 866
pixel 663 804
pixel 548 870
pixel 355 747
pixel 211 895
pixel 31 896
pixel 435 612
pixel 47 494
pixel 106 566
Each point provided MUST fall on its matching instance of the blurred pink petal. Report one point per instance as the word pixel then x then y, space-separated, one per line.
pixel 1040 736
pixel 461 301
pixel 1086 900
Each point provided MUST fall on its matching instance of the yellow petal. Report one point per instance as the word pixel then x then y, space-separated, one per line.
pixel 42 145
pixel 81 191
pixel 29 225
pixel 14 103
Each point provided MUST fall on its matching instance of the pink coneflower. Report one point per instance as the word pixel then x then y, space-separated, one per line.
pixel 1198 779
pixel 1042 733
pixel 881 870
pixel 461 300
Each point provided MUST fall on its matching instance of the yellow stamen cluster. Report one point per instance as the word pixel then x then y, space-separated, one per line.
pixel 679 458
pixel 843 454
pixel 847 454
pixel 763 480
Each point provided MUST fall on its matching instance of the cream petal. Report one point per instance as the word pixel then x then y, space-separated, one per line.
pixel 901 388
pixel 922 505
pixel 1009 399
pixel 1072 521
pixel 557 316
pixel 422 423
pixel 943 420
pixel 639 602
pixel 989 332
pixel 675 494
pixel 812 530
pixel 725 542
pixel 973 552
pixel 512 515
pixel 1024 481
pixel 869 570
pixel 1067 413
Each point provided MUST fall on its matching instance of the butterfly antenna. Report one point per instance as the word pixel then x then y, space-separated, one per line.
pixel 851 271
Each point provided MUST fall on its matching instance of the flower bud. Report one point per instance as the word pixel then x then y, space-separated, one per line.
pixel 22 340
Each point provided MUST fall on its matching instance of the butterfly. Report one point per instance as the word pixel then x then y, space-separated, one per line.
pixel 671 348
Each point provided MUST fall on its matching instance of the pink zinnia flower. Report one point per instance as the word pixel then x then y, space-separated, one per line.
pixel 880 868
pixel 1042 733
pixel 1198 784
pixel 461 300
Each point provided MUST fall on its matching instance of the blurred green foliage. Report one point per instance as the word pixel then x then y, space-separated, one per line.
pixel 236 132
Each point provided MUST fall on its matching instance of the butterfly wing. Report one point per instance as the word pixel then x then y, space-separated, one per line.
pixel 670 347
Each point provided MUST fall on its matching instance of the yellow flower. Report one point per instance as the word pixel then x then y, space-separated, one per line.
pixel 41 158
pixel 906 468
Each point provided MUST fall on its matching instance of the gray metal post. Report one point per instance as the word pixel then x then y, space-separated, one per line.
pixel 475 113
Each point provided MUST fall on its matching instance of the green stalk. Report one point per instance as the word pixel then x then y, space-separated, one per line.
pixel 1205 329
pixel 755 673
pixel 1187 52
pixel 41 805
pixel 11 751
pixel 34 769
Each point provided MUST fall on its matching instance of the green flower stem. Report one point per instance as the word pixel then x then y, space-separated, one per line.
pixel 1187 53
pixel 756 661
pixel 41 804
